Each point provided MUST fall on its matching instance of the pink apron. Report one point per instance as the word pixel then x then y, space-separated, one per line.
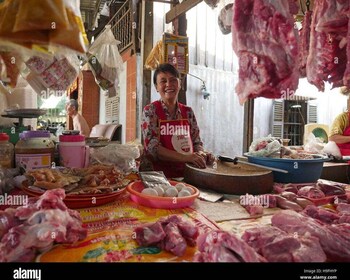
pixel 173 135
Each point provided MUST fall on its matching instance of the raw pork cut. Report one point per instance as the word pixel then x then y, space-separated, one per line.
pixel 278 246
pixel 334 239
pixel 37 226
pixel 266 42
pixel 327 58
pixel 171 234
pixel 220 246
pixel 304 43
pixel 346 77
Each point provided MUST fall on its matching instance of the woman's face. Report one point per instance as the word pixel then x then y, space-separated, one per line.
pixel 168 86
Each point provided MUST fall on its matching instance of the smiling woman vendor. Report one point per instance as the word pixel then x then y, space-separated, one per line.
pixel 170 130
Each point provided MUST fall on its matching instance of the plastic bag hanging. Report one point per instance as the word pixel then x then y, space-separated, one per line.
pixel 106 62
pixel 155 57
pixel 22 25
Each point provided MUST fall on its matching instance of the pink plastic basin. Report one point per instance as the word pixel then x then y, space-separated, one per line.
pixel 136 188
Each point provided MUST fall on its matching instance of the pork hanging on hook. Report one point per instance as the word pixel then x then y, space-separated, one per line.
pixel 266 42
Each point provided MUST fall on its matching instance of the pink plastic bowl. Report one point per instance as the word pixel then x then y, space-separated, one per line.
pixel 136 188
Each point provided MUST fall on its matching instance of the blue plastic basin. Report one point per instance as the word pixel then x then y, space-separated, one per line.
pixel 299 170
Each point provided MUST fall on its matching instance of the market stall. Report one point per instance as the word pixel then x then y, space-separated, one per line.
pixel 85 199
pixel 131 216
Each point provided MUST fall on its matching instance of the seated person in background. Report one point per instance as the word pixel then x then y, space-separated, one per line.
pixel 340 133
pixel 170 130
pixel 79 123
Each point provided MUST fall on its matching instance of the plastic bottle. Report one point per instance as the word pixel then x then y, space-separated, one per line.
pixel 6 151
pixel 73 151
pixel 34 150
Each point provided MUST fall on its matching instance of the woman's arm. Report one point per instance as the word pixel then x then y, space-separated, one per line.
pixel 196 159
pixel 195 132
pixel 339 139
pixel 149 128
pixel 337 129
pixel 196 139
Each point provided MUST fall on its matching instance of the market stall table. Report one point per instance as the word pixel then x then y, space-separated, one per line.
pixel 111 229
pixel 111 235
pixel 336 171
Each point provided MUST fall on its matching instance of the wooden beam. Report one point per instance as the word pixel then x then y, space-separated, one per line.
pixel 180 9
pixel 165 1
pixel 180 28
pixel 146 48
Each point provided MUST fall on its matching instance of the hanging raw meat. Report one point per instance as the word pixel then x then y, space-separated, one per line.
pixel 293 6
pixel 333 16
pixel 327 58
pixel 346 77
pixel 304 43
pixel 266 42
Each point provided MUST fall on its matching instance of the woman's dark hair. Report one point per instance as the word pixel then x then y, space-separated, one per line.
pixel 165 68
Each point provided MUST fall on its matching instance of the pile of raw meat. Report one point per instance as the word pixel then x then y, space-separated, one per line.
pixel 273 54
pixel 171 234
pixel 34 228
pixel 297 237
pixel 313 235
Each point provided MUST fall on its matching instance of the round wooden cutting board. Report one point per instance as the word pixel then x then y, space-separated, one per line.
pixel 230 178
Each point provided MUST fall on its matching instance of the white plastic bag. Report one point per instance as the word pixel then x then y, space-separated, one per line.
pixel 105 10
pixel 122 156
pixel 265 147
pixel 331 148
pixel 106 62
pixel 314 144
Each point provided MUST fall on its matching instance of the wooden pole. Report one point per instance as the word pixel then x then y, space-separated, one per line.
pixel 180 28
pixel 248 127
pixel 145 74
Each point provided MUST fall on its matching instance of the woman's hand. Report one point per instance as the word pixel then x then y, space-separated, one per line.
pixel 197 159
pixel 208 157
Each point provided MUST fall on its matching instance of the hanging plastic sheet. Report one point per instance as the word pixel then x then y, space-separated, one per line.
pixel 105 61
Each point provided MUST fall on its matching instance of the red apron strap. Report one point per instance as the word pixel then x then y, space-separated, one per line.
pixel 159 110
pixel 183 110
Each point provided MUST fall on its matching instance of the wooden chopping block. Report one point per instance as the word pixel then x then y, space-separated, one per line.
pixel 230 178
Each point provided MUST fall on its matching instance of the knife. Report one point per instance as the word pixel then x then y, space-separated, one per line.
pixel 236 160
